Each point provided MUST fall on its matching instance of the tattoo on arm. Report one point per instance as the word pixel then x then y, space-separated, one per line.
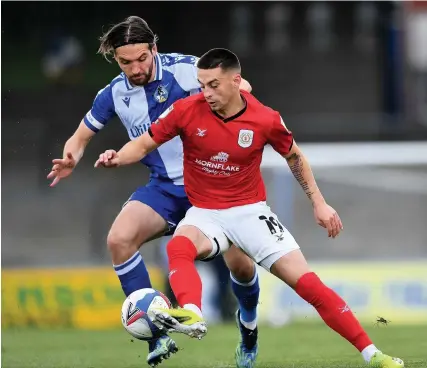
pixel 296 165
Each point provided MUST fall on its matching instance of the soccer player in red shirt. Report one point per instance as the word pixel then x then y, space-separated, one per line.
pixel 224 131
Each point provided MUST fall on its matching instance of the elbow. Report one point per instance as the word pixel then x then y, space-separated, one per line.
pixel 142 154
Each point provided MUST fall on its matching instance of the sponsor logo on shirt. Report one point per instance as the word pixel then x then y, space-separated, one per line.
pixel 217 165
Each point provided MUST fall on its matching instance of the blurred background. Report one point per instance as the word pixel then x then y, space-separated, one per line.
pixel 350 80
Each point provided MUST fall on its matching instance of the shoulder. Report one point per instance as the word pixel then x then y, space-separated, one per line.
pixel 176 60
pixel 183 69
pixel 263 112
pixel 116 82
pixel 189 104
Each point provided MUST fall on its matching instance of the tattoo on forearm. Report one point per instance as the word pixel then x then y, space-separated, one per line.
pixel 296 165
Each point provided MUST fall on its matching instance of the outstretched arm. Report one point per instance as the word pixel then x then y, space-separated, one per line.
pixel 162 130
pixel 73 152
pixel 130 153
pixel 282 141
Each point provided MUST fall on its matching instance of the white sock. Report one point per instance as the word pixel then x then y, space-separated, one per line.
pixel 249 325
pixel 368 352
pixel 194 308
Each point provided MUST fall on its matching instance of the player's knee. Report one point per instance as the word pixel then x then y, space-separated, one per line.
pixel 119 243
pixel 196 238
pixel 181 247
pixel 243 273
pixel 240 265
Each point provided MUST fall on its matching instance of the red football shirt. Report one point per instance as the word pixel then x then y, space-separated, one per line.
pixel 222 157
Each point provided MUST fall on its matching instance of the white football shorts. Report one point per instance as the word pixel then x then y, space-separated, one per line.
pixel 253 228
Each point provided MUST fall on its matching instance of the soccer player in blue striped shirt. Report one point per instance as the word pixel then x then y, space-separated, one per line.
pixel 150 82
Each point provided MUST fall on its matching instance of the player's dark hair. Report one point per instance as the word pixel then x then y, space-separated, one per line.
pixel 223 58
pixel 132 30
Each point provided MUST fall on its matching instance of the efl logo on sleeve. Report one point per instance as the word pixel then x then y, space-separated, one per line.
pixel 166 112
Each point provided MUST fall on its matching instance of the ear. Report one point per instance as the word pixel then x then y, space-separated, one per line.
pixel 237 79
pixel 154 50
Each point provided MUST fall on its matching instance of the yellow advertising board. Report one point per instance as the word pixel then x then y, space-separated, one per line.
pixel 396 291
pixel 91 298
pixel 82 298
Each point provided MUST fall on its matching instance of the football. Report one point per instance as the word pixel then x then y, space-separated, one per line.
pixel 137 313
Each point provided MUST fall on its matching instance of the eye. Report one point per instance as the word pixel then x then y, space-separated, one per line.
pixel 125 62
pixel 143 59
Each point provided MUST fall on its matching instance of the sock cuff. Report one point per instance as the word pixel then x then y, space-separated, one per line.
pixel 129 265
pixel 129 261
pixel 247 284
pixel 181 246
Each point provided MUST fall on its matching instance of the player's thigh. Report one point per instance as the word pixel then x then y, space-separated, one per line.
pixel 289 267
pixel 135 224
pixel 146 215
pixel 240 264
pixel 203 229
pixel 258 232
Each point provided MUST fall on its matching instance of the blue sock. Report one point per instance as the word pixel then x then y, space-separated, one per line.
pixel 133 274
pixel 247 294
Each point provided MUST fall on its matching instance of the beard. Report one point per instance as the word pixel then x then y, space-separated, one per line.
pixel 140 80
pixel 143 78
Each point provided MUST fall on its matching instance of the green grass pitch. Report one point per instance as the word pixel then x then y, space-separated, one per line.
pixel 293 346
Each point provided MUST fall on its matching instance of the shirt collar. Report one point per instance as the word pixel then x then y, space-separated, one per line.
pixel 159 67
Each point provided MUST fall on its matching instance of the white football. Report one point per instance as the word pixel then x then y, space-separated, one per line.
pixel 137 313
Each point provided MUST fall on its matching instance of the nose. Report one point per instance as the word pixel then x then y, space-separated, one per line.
pixel 136 69
pixel 207 93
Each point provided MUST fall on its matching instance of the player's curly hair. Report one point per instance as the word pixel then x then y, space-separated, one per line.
pixel 130 31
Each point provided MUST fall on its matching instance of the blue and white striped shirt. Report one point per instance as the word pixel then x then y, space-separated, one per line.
pixel 138 106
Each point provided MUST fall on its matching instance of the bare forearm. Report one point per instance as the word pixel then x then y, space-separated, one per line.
pixel 76 147
pixel 131 152
pixel 77 143
pixel 303 174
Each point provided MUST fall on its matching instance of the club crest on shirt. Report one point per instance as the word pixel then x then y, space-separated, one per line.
pixel 245 138
pixel 161 94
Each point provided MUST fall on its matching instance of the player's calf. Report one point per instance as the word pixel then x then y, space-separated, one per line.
pixel 293 269
pixel 186 246
pixel 134 225
pixel 128 263
pixel 245 286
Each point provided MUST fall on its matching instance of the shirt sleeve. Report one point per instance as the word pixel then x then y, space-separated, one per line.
pixel 102 110
pixel 280 138
pixel 167 126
